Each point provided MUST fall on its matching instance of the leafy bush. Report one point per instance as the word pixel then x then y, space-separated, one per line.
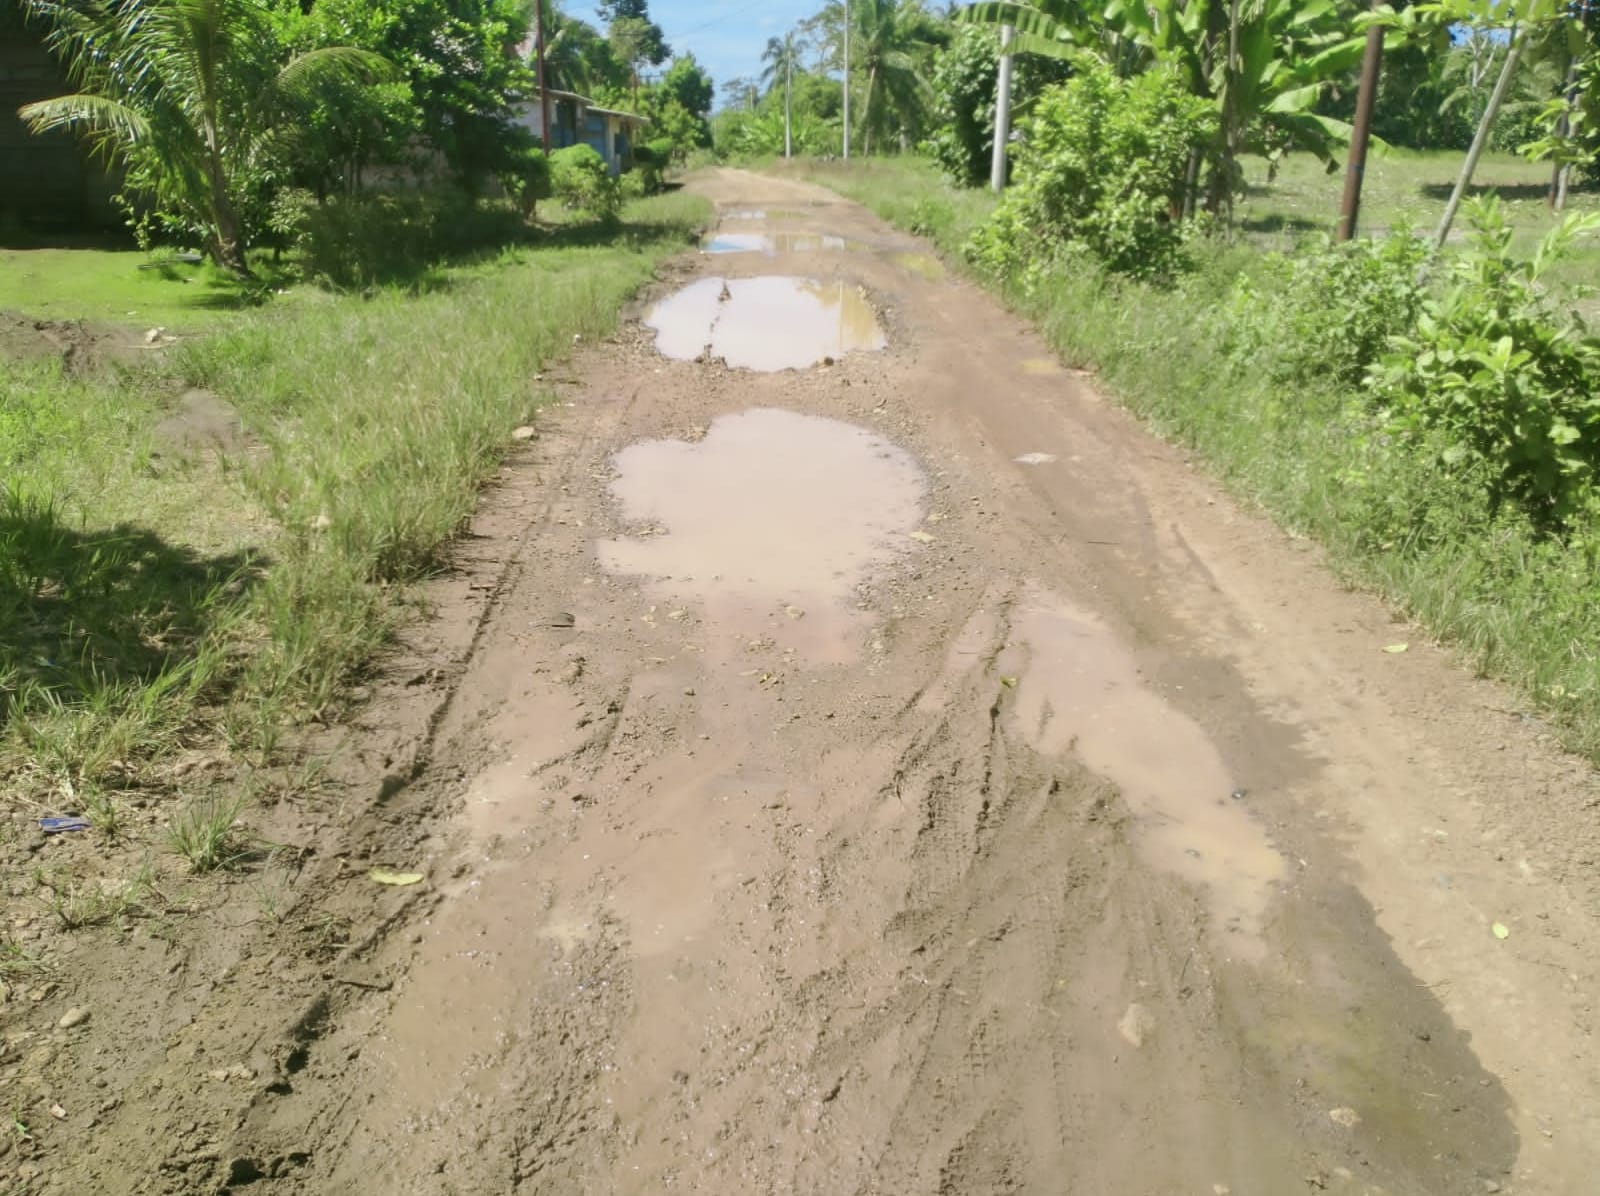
pixel 650 162
pixel 373 239
pixel 580 179
pixel 1325 314
pixel 525 175
pixel 964 83
pixel 1102 169
pixel 1494 375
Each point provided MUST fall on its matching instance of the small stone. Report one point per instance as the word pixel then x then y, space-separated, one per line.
pixel 75 1016
pixel 1221 1190
pixel 1240 794
pixel 322 522
pixel 58 1112
pixel 152 336
pixel 1344 1116
pixel 1136 1024
pixel 922 537
pixel 1490 1185
pixel 688 691
pixel 794 612
pixel 563 619
pixel 525 432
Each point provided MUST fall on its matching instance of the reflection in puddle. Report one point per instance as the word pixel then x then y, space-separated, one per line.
pixel 769 323
pixel 771 521
pixel 772 243
pixel 1080 692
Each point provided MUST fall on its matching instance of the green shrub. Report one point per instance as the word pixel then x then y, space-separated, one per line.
pixel 526 178
pixel 1102 169
pixel 1494 375
pixel 580 179
pixel 1325 314
pixel 374 239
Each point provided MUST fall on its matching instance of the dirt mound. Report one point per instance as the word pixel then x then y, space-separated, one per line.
pixel 82 346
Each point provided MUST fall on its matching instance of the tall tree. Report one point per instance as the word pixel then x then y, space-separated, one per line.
pixel 886 39
pixel 182 92
pixel 782 57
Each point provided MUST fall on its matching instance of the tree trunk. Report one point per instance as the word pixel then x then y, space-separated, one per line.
pixel 1563 169
pixel 1481 138
pixel 788 97
pixel 866 112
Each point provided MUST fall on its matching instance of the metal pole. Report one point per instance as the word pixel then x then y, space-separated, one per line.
pixel 544 92
pixel 1002 113
pixel 847 80
pixel 1356 168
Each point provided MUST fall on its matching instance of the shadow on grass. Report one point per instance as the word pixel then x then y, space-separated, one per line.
pixel 83 610
pixel 1506 191
pixel 1281 224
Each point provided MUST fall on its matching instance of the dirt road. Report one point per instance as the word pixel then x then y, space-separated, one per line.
pixel 900 774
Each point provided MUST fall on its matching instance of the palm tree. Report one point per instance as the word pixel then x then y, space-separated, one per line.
pixel 886 36
pixel 781 58
pixel 181 91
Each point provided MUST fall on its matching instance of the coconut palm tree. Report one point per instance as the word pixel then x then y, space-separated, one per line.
pixel 782 57
pixel 182 92
pixel 887 38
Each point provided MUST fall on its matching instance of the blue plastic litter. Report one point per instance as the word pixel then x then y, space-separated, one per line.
pixel 54 826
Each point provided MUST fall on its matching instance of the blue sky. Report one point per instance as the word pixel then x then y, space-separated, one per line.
pixel 725 36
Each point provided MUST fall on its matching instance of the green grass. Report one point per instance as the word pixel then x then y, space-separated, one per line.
pixel 107 280
pixel 155 602
pixel 1514 605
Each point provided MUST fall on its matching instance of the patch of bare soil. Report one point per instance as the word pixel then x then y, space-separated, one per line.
pixel 82 346
pixel 897 775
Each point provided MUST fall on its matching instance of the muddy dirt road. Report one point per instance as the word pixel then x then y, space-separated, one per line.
pixel 855 758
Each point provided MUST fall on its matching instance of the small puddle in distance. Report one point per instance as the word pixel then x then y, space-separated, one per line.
pixel 772 243
pixel 1080 692
pixel 768 323
pixel 770 522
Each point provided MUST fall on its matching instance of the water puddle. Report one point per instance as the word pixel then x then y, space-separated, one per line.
pixel 769 323
pixel 1079 691
pixel 773 243
pixel 770 522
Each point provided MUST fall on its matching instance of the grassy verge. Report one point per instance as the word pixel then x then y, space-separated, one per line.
pixel 1515 605
pixel 156 600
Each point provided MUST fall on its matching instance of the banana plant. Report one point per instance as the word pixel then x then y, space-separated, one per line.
pixel 1264 63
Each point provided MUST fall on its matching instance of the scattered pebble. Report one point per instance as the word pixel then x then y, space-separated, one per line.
pixel 1344 1116
pixel 1136 1024
pixel 525 432
pixel 75 1016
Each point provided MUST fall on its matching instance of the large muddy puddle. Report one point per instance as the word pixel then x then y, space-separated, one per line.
pixel 1080 692
pixel 768 323
pixel 769 523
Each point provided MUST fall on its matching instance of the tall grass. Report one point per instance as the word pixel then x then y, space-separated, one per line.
pixel 152 602
pixel 1515 605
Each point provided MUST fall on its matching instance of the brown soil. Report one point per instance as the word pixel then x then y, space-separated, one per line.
pixel 80 345
pixel 903 775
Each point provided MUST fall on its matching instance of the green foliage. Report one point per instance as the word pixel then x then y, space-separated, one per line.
pixel 525 175
pixel 964 83
pixel 1494 376
pixel 1322 316
pixel 1101 170
pixel 362 241
pixel 580 179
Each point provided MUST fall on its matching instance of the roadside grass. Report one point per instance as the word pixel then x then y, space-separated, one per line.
pixel 1513 605
pixel 157 603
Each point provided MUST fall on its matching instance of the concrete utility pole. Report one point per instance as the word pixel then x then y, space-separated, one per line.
pixel 1002 112
pixel 1361 135
pixel 847 80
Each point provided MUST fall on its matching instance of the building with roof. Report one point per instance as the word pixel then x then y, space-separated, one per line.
pixel 574 119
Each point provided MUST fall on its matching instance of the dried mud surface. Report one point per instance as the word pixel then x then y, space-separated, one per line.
pixel 902 775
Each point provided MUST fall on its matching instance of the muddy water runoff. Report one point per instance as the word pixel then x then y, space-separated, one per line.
pixel 768 323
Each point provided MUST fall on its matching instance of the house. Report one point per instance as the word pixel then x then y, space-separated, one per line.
pixel 45 179
pixel 575 119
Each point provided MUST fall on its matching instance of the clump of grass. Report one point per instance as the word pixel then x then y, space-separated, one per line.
pixel 78 902
pixel 208 835
pixel 16 963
